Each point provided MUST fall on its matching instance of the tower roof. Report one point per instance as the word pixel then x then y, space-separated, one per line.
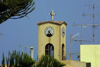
pixel 52 22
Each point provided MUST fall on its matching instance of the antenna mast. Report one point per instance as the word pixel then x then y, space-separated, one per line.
pixel 71 37
pixel 94 25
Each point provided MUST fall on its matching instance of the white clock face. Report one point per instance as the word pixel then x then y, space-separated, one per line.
pixel 63 32
pixel 49 31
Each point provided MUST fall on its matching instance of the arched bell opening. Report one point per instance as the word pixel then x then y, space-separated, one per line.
pixel 49 50
pixel 62 51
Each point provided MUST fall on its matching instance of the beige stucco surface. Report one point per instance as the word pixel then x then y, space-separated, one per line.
pixel 56 40
pixel 90 54
pixel 73 63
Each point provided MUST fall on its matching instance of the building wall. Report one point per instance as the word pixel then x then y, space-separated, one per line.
pixel 73 63
pixel 90 54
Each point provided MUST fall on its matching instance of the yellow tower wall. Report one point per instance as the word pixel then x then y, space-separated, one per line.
pixel 56 40
pixel 63 41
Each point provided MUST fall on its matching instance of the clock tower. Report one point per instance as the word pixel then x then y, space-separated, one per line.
pixel 52 38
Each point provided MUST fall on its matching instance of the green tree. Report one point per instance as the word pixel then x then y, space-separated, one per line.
pixel 17 59
pixel 7 61
pixel 15 9
pixel 48 61
pixel 3 60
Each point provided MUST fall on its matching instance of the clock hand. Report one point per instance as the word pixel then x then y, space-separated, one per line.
pixel 49 32
pixel 63 32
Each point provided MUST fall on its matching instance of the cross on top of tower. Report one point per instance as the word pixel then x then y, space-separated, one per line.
pixel 52 14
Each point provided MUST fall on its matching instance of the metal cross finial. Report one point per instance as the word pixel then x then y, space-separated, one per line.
pixel 52 14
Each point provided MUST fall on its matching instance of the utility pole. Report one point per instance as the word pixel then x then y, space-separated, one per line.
pixel 93 16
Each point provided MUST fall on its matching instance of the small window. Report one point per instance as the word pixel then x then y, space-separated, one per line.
pixel 88 64
pixel 49 50
pixel 62 51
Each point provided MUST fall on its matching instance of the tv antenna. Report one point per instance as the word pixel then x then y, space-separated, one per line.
pixel 93 16
pixel 82 26
pixel 72 37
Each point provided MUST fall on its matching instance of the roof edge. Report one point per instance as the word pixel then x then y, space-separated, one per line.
pixel 53 22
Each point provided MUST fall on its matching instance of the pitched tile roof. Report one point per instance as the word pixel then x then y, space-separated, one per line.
pixel 53 22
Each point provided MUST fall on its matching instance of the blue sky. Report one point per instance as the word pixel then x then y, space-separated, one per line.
pixel 24 31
